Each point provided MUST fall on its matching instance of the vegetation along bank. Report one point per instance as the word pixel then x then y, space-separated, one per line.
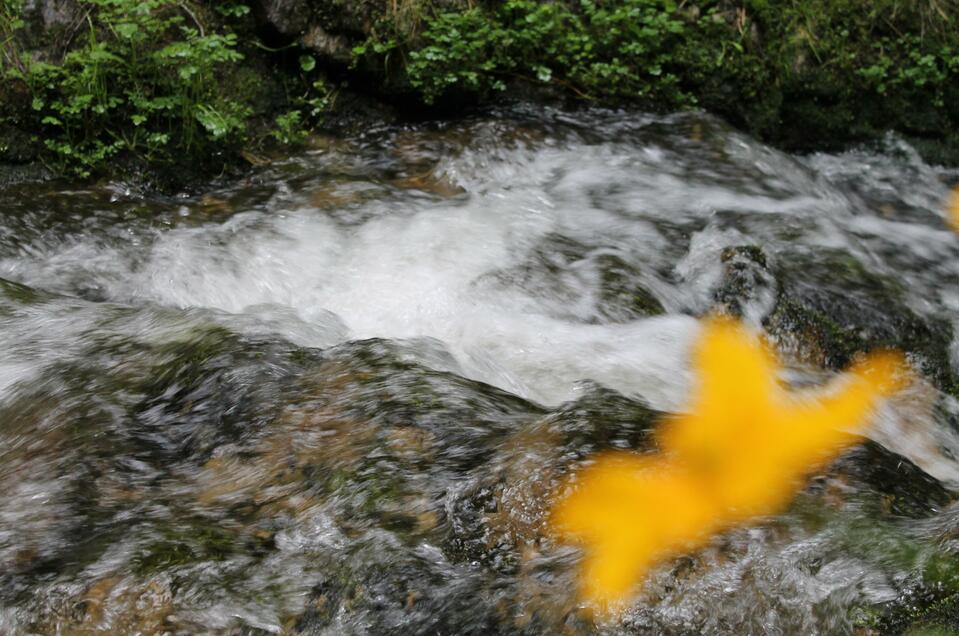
pixel 174 87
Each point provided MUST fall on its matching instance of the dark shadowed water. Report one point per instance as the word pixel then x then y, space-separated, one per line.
pixel 336 398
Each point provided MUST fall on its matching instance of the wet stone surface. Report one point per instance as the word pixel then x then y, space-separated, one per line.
pixel 340 396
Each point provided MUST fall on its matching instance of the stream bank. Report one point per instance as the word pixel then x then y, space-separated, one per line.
pixel 177 93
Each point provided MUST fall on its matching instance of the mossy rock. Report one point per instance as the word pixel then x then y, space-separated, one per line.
pixel 745 281
pixel 831 308
pixel 888 484
pixel 414 499
pixel 98 432
pixel 491 574
pixel 827 308
pixel 20 294
pixel 919 614
pixel 185 545
pixel 867 495
pixel 331 27
pixel 388 589
pixel 384 383
pixel 623 297
pixel 941 619
pixel 501 509
pixel 602 418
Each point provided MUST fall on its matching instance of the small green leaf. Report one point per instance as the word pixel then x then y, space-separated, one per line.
pixel 233 10
pixel 158 139
pixel 307 63
pixel 188 71
pixel 126 30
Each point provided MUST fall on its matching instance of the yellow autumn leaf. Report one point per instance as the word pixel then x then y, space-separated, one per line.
pixel 740 451
pixel 952 209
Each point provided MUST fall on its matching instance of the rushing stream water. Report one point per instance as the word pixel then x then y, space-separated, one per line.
pixel 337 397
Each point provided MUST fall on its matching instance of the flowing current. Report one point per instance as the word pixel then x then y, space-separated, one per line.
pixel 337 397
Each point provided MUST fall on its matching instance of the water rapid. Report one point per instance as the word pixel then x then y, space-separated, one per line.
pixel 336 397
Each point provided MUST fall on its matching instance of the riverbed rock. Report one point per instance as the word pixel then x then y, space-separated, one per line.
pixel 888 484
pixel 746 285
pixel 830 308
pixel 500 512
pixel 365 484
pixel 596 284
pixel 914 617
pixel 826 308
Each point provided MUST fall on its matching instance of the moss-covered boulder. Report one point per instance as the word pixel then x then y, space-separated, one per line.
pixel 826 307
pixel 330 28
pixel 830 307
pixel 915 618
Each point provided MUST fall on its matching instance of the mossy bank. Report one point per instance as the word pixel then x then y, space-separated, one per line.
pixel 96 86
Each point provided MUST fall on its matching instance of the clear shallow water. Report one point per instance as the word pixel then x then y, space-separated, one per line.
pixel 336 397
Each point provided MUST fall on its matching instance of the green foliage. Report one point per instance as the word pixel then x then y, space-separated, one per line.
pixel 140 77
pixel 904 64
pixel 462 50
pixel 846 69
pixel 289 128
pixel 143 80
pixel 233 10
pixel 311 100
pixel 596 49
pixel 11 12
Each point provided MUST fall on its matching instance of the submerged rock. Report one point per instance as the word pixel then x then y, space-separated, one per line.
pixel 939 618
pixel 406 498
pixel 889 484
pixel 196 480
pixel 582 283
pixel 827 307
pixel 746 285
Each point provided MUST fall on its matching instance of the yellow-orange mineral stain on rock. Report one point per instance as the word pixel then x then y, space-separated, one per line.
pixel 740 451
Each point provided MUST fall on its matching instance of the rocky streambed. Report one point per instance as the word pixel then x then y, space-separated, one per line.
pixel 337 397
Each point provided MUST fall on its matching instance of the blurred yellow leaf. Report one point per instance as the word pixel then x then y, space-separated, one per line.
pixel 740 451
pixel 952 209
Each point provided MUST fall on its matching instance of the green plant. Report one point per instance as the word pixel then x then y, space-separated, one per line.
pixel 462 50
pixel 289 128
pixel 619 49
pixel 905 64
pixel 11 12
pixel 846 69
pixel 312 97
pixel 141 80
